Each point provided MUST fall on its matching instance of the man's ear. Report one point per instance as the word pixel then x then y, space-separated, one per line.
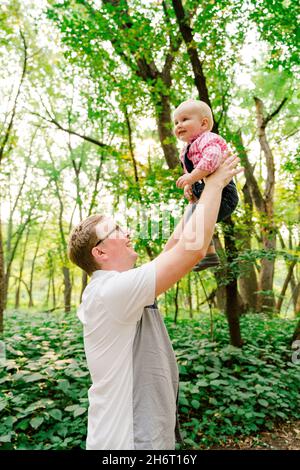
pixel 98 254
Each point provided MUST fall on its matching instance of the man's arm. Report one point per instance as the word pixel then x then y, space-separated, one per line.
pixel 197 233
pixel 192 245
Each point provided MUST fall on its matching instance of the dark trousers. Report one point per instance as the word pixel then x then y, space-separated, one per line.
pixel 229 200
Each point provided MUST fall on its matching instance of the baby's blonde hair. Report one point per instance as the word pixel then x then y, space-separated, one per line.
pixel 203 109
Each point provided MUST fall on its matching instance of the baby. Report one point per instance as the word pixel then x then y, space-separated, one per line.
pixel 201 156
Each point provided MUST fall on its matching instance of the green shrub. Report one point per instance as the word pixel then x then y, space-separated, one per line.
pixel 44 388
pixel 224 391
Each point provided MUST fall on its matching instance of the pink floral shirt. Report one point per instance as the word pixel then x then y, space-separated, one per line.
pixel 205 152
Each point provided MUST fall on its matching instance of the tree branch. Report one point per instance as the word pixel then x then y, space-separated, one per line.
pixel 254 187
pixel 277 110
pixel 187 34
pixel 9 127
pixel 52 120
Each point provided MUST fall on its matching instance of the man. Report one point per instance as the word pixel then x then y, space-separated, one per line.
pixel 132 400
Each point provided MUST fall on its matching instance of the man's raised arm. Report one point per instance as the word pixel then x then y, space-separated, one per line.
pixel 197 233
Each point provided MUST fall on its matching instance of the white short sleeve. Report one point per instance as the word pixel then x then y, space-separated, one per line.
pixel 127 293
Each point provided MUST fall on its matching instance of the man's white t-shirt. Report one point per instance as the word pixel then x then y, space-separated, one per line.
pixel 112 307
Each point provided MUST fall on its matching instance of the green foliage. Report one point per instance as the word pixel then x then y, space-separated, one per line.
pixel 277 24
pixel 44 387
pixel 223 391
pixel 226 391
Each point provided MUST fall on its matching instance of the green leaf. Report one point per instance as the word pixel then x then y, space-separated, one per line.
pixel 202 383
pixel 263 402
pixel 71 408
pixel 23 424
pixel 182 370
pixel 79 411
pixel 9 421
pixel 5 438
pixel 195 404
pixel 33 377
pixel 63 385
pixel 36 422
pixel 183 401
pixel 214 375
pixel 3 404
pixel 56 414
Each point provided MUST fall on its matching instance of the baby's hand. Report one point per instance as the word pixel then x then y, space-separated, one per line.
pixel 183 181
pixel 188 193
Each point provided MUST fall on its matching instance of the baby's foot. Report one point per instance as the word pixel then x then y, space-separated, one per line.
pixel 211 260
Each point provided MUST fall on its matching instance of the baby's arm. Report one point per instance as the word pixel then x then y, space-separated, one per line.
pixel 190 178
pixel 197 174
pixel 208 162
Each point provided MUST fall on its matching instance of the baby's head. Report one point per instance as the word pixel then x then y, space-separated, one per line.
pixel 191 119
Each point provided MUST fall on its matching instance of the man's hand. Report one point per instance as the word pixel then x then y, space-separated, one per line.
pixel 226 171
pixel 183 181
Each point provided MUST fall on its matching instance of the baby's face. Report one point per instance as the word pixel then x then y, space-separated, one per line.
pixel 188 122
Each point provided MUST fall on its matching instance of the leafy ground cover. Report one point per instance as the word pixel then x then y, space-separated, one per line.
pixel 226 394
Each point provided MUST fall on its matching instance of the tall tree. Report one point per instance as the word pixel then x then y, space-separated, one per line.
pixel 201 84
pixel 7 128
pixel 114 21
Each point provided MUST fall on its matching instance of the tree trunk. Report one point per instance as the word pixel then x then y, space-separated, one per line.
pixel 285 285
pixel 48 292
pixel 267 299
pixel 233 316
pixel 67 289
pixel 166 304
pixel 247 280
pixel 53 290
pixel 200 82
pixel 220 275
pixel 233 309
pixel 2 282
pixel 166 136
pixel 295 288
pixel 190 300
pixel 176 302
pixel 197 294
pixel 22 261
pixel 7 133
pixel 30 303
pixel 296 334
pixel 264 204
pixel 145 68
pixel 17 298
pixel 84 280
pixel 187 34
pixel 297 307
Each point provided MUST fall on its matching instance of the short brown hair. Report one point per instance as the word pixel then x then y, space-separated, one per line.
pixel 81 242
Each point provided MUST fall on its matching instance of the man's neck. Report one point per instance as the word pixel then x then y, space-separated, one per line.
pixel 117 267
